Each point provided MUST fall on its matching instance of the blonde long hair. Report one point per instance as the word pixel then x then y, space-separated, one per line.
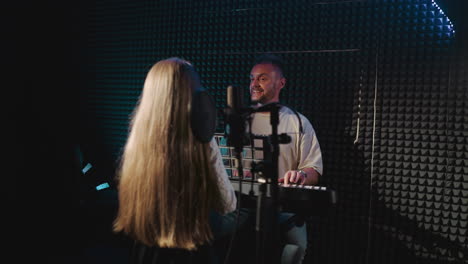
pixel 167 183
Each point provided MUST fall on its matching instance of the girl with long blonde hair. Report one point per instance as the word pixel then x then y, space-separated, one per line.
pixel 168 181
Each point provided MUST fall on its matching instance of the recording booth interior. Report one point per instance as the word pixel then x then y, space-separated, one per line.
pixel 383 82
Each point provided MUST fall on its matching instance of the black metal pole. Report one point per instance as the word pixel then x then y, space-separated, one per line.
pixel 267 227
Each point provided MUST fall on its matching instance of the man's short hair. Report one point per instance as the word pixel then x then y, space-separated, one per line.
pixel 272 59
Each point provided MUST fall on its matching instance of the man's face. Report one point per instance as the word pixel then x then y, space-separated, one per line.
pixel 266 82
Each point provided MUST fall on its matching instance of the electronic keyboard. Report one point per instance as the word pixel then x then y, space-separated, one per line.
pixel 304 199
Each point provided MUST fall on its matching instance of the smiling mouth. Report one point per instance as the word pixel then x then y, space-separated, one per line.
pixel 256 92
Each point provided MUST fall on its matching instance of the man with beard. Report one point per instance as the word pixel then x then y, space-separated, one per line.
pixel 300 161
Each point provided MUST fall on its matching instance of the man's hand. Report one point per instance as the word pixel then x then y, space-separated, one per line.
pixel 294 177
pixel 306 176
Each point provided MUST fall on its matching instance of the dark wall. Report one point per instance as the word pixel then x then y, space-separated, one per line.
pixel 384 83
pixel 43 51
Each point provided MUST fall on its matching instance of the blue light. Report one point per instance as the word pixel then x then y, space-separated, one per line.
pixel 442 12
pixel 87 168
pixel 102 186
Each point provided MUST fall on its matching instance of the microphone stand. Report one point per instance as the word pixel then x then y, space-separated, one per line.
pixel 267 224
pixel 268 250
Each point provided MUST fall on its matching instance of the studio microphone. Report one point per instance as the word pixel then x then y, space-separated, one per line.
pixel 235 117
pixel 235 99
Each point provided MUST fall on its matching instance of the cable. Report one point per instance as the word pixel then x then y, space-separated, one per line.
pixel 356 140
pixel 369 219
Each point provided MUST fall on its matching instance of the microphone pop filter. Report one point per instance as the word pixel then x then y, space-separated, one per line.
pixel 203 116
